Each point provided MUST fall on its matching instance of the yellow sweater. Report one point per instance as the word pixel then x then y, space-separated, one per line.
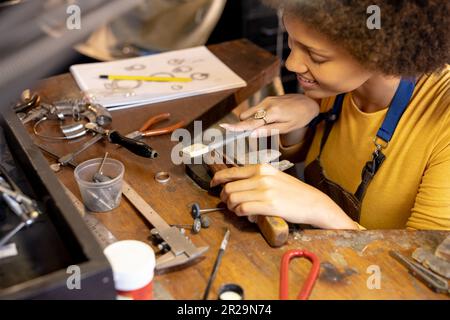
pixel 412 187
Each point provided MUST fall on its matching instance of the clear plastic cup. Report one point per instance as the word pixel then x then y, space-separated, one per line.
pixel 100 196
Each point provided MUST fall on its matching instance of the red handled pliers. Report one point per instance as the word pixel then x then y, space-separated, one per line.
pixel 310 281
pixel 145 130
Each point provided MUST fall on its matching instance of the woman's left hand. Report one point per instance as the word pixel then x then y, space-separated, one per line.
pixel 264 190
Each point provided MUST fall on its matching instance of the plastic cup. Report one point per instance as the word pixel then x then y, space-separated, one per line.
pixel 100 196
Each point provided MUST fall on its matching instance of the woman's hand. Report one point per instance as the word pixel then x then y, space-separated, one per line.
pixel 283 113
pixel 264 190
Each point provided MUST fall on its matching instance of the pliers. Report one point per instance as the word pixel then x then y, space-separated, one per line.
pixel 145 130
pixel 310 281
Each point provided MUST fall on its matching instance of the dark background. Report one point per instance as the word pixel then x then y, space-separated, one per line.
pixel 252 20
pixel 241 19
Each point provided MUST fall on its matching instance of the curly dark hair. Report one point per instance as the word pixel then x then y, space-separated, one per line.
pixel 413 39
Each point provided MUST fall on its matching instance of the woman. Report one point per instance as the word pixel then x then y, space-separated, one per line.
pixel 380 153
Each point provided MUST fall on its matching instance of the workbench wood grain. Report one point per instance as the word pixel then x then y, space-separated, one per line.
pixel 248 260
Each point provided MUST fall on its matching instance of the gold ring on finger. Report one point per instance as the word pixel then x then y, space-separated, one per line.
pixel 261 114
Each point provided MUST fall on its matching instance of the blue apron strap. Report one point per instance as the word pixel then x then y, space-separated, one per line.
pixel 337 106
pixel 330 115
pixel 397 108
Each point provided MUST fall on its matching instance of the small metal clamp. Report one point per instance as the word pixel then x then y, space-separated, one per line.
pixel 378 145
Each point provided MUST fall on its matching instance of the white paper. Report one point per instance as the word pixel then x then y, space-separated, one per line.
pixel 209 75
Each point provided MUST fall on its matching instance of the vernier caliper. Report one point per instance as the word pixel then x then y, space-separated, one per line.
pixel 180 249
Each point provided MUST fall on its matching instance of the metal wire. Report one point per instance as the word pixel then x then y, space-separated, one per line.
pixel 60 138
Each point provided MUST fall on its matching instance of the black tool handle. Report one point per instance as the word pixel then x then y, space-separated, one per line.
pixel 137 147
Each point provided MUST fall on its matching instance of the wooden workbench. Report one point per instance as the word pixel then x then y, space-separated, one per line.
pixel 346 256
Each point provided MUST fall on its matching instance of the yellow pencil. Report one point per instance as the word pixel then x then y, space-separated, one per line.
pixel 144 78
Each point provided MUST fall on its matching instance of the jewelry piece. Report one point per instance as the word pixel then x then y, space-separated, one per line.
pixel 261 114
pixel 162 177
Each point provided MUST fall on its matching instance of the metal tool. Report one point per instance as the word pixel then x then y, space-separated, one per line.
pixel 199 223
pixel 145 130
pixel 222 249
pixel 195 227
pixel 433 281
pixel 181 249
pixel 96 114
pixel 24 207
pixel 64 160
pixel 263 156
pixel 70 163
pixel 282 165
pixel 14 201
pixel 76 109
pixel 57 166
pixel 105 199
pixel 36 113
pixel 98 176
pixel 205 222
pixel 137 147
pixel 98 229
pixel 199 149
pixel 196 211
pixel 274 229
pixel 134 146
pixel 28 100
pixel 305 292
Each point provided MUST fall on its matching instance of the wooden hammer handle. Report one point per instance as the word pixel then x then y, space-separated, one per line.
pixel 274 229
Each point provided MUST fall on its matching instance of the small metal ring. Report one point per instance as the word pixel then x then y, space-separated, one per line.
pixel 162 177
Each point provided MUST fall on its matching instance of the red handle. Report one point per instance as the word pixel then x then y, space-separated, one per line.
pixel 310 281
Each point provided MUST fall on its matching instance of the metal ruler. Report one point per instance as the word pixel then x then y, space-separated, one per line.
pixel 101 233
pixel 181 249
